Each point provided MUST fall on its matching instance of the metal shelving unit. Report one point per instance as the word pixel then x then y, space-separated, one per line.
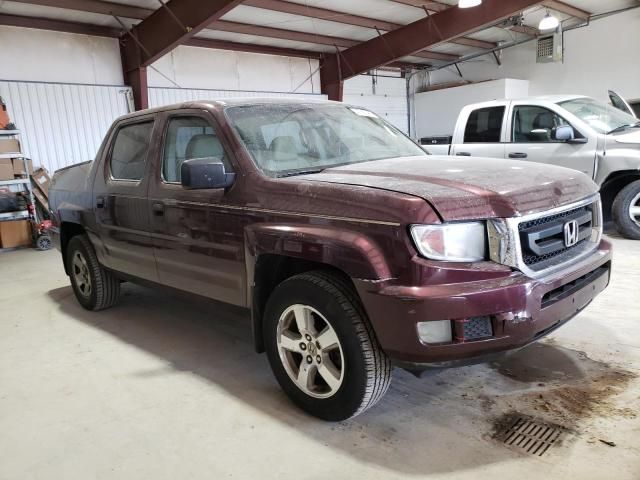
pixel 23 183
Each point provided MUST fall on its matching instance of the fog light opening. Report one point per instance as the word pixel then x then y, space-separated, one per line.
pixel 438 331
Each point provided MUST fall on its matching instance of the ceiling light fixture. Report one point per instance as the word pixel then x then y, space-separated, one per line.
pixel 469 3
pixel 549 22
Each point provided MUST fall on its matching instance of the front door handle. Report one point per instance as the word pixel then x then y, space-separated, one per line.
pixel 158 209
pixel 463 154
pixel 518 155
pixel 99 202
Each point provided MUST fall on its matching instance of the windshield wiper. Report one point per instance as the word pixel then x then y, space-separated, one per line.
pixel 624 127
pixel 300 172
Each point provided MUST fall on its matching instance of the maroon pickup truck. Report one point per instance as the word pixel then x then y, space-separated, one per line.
pixel 352 249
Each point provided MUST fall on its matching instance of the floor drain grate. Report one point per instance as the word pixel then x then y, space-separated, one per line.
pixel 529 436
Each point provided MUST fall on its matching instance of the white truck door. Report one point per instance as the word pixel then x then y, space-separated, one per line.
pixel 532 137
pixel 480 131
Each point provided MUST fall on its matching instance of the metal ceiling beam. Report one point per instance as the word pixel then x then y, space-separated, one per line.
pixel 434 29
pixel 292 35
pixel 59 26
pixel 251 48
pixel 346 18
pixel 567 9
pixel 175 22
pixel 169 26
pixel 94 6
pixel 137 13
pixel 440 7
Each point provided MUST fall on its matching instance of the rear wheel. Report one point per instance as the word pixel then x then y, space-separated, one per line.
pixel 95 287
pixel 626 211
pixel 321 347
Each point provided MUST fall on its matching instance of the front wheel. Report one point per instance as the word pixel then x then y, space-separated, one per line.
pixel 626 211
pixel 321 347
pixel 95 287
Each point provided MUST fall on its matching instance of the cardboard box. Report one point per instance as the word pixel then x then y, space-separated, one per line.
pixel 9 145
pixel 6 169
pixel 15 233
pixel 22 167
pixel 42 180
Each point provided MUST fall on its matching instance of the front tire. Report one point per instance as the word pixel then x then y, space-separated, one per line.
pixel 321 347
pixel 626 211
pixel 95 287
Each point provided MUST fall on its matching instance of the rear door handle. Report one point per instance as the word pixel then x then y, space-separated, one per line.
pixel 463 154
pixel 518 155
pixel 158 209
pixel 99 202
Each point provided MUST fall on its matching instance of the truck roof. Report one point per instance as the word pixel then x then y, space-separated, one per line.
pixel 548 98
pixel 232 101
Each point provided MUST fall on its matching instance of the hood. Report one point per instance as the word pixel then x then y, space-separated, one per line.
pixel 468 188
pixel 633 136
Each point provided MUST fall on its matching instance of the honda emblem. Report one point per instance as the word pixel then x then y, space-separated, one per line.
pixel 571 232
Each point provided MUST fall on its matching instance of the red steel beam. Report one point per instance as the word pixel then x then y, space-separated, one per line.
pixel 567 9
pixel 251 48
pixel 138 13
pixel 246 29
pixel 437 28
pixel 59 26
pixel 161 32
pixel 346 18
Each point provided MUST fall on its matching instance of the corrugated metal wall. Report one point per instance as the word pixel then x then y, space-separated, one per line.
pixel 62 124
pixel 166 96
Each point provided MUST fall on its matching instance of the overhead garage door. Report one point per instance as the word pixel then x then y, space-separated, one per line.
pixel 384 95
pixel 60 123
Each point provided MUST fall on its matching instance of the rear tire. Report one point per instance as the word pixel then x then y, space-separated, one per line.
pixel 95 287
pixel 338 339
pixel 626 211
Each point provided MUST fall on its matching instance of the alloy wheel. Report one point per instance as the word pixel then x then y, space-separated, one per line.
pixel 81 274
pixel 310 351
pixel 634 210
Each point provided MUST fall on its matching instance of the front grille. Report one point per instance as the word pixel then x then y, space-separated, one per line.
pixel 542 239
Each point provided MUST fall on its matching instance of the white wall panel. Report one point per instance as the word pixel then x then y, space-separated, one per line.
pixel 205 68
pixel 603 56
pixel 167 96
pixel 27 54
pixel 62 124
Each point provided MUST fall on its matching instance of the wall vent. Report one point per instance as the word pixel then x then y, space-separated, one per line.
pixel 550 48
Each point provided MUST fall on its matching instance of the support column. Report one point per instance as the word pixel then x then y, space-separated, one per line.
pixel 137 80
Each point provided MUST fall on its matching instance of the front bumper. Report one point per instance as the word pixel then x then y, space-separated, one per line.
pixel 521 309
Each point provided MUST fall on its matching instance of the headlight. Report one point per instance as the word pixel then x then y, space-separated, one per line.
pixel 453 242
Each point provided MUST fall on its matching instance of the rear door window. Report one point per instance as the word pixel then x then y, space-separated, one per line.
pixel 484 125
pixel 130 150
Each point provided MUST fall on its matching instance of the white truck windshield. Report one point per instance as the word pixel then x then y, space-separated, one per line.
pixel 599 116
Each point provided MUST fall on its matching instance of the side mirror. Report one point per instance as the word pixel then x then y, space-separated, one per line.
pixel 564 133
pixel 201 173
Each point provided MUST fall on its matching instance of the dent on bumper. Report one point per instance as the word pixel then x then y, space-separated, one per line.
pixel 514 303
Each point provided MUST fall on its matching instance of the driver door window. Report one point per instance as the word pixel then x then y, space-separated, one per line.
pixel 188 138
pixel 535 124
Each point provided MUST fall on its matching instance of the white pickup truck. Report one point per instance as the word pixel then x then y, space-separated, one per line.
pixel 571 131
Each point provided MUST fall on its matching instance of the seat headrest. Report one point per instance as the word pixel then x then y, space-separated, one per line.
pixel 204 145
pixel 284 147
pixel 544 120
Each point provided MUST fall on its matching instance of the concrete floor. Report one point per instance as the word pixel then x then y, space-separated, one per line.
pixel 162 388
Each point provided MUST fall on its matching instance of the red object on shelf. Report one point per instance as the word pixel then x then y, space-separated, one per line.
pixel 4 116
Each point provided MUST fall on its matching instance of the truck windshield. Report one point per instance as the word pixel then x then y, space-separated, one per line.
pixel 601 117
pixel 290 139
